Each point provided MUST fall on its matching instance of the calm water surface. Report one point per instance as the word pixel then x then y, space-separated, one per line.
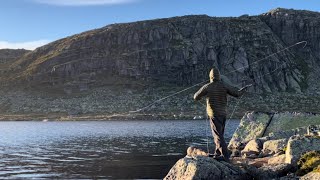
pixel 95 149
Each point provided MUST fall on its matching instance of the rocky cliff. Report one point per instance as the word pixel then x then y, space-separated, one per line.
pixel 178 52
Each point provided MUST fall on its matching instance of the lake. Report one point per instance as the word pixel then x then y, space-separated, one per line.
pixel 99 149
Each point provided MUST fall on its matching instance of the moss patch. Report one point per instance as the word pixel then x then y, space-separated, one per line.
pixel 309 162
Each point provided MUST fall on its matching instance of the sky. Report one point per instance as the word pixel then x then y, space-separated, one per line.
pixel 32 23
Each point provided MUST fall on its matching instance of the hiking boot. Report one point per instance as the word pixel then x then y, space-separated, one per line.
pixel 219 158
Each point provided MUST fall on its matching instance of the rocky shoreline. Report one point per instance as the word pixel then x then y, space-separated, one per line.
pixel 109 102
pixel 93 117
pixel 263 147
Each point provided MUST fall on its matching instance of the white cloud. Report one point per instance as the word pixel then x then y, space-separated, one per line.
pixel 31 45
pixel 83 2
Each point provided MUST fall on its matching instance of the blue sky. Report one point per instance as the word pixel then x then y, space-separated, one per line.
pixel 32 23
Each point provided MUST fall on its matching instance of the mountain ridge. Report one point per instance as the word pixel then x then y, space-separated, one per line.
pixel 173 53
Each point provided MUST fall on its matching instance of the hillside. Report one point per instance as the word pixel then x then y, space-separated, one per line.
pixel 8 56
pixel 122 67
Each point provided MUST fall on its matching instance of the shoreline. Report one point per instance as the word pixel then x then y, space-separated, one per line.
pixel 96 117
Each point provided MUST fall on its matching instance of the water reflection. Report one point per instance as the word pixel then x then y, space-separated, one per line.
pixel 113 149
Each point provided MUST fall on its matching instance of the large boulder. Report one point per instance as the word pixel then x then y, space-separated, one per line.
pixel 202 167
pixel 255 125
pixel 286 121
pixel 252 126
pixel 277 159
pixel 298 145
pixel 252 149
pixel 269 171
pixel 288 133
pixel 193 152
pixel 274 146
pixel 311 176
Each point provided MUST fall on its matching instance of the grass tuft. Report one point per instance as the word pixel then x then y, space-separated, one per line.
pixel 309 162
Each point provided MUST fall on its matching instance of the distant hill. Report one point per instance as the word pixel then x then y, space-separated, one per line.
pixel 178 52
pixel 9 55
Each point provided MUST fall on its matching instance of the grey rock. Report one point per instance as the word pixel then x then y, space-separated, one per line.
pixel 251 126
pixel 252 149
pixel 298 145
pixel 291 120
pixel 204 168
pixel 254 125
pixel 274 146
pixel 311 176
pixel 277 159
pixel 269 172
pixel 313 130
pixel 193 152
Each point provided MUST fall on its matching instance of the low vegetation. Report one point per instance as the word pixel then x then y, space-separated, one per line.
pixel 309 162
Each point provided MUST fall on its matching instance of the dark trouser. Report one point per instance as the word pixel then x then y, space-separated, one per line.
pixel 217 126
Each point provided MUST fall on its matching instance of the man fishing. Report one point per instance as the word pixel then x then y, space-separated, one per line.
pixel 216 95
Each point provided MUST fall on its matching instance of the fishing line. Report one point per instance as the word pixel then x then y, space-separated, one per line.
pixel 235 107
pixel 238 101
pixel 206 129
pixel 270 55
pixel 207 121
pixel 166 97
pixel 183 90
pixel 84 59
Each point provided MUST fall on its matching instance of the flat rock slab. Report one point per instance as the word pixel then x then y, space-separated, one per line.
pixel 286 121
pixel 311 176
pixel 277 159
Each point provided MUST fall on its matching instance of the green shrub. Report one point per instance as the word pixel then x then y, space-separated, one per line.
pixel 308 162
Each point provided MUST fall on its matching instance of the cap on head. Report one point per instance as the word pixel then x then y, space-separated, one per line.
pixel 214 74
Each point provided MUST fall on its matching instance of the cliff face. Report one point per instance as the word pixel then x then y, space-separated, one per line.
pixel 156 58
pixel 181 50
pixel 292 26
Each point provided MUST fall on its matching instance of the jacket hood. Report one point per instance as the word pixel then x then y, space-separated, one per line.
pixel 214 74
